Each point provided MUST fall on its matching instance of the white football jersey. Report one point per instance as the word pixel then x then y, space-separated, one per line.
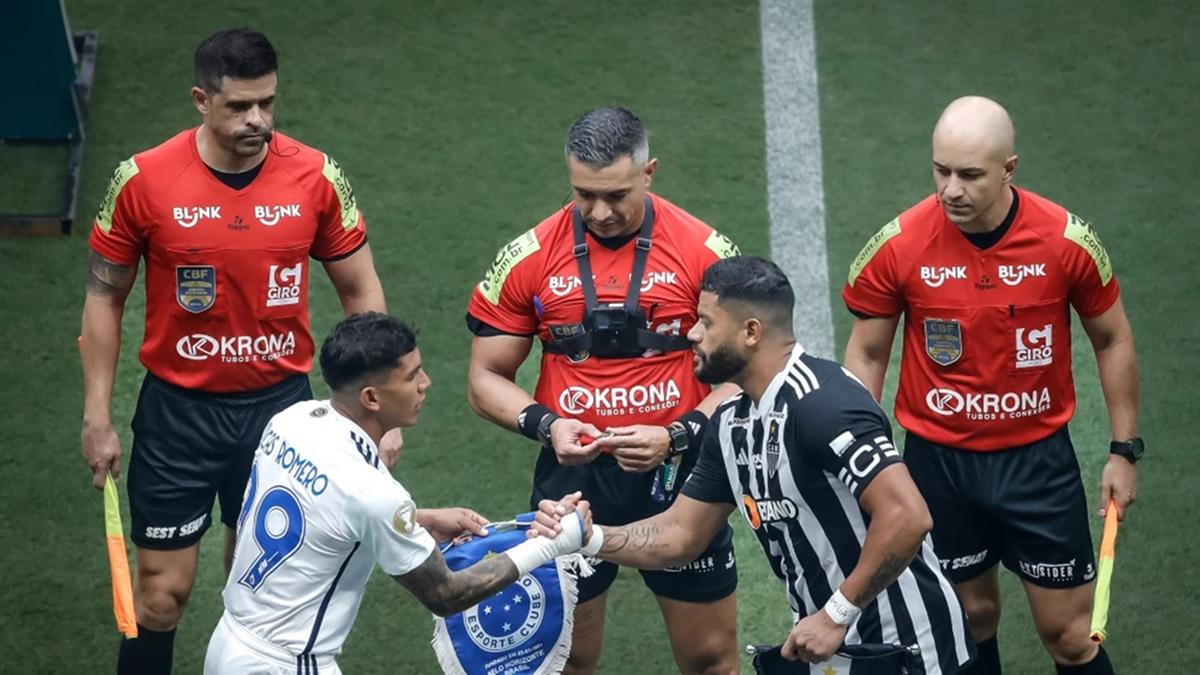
pixel 320 511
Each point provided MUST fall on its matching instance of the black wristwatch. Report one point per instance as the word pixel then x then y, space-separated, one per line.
pixel 1132 449
pixel 543 429
pixel 680 439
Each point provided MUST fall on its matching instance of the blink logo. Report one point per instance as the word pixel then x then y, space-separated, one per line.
pixel 270 215
pixel 1013 275
pixel 936 276
pixel 1035 346
pixel 189 216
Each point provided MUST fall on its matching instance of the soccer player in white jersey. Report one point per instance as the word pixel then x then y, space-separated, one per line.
pixel 321 510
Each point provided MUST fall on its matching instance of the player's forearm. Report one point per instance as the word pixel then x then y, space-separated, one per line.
pixel 481 580
pixel 99 348
pixel 496 398
pixel 1117 365
pixel 893 540
pixel 653 543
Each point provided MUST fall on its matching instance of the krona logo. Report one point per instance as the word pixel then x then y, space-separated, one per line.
pixel 189 216
pixel 1015 274
pixel 990 405
pixel 270 215
pixel 238 348
pixel 936 276
pixel 575 400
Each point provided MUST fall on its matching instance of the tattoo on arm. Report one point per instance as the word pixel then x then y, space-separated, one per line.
pixel 108 278
pixel 444 592
pixel 635 537
pixel 885 574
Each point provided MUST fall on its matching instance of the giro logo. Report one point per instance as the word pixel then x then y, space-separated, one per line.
pixel 1035 346
pixel 1013 275
pixel 607 401
pixel 936 276
pixel 189 216
pixel 283 285
pixel 989 405
pixel 270 215
pixel 944 401
pixel 236 348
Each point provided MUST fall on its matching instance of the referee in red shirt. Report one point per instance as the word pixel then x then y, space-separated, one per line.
pixel 226 216
pixel 608 285
pixel 985 275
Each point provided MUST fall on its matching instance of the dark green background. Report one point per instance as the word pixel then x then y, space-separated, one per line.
pixel 449 119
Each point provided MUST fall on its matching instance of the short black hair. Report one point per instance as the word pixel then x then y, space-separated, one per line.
pixel 604 135
pixel 752 280
pixel 363 345
pixel 239 53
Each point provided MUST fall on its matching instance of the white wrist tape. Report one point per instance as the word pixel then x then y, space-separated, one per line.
pixel 841 610
pixel 537 551
pixel 594 542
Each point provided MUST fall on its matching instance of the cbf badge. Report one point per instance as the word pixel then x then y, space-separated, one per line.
pixel 526 628
pixel 943 341
pixel 195 287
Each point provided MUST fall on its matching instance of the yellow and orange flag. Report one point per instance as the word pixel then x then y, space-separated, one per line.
pixel 118 559
pixel 1108 551
pixel 118 562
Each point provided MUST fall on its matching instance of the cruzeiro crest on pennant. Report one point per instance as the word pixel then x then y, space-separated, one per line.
pixel 508 619
pixel 943 341
pixel 196 287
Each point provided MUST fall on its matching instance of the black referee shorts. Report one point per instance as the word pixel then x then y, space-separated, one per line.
pixel 1024 506
pixel 191 446
pixel 619 497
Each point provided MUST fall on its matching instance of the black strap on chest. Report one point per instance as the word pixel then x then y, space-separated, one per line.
pixel 605 332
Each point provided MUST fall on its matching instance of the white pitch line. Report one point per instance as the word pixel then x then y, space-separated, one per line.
pixel 795 196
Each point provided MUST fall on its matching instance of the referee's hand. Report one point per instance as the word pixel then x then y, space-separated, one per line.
pixel 102 451
pixel 566 435
pixel 1118 482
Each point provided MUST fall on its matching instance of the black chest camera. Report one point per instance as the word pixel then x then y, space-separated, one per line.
pixel 614 330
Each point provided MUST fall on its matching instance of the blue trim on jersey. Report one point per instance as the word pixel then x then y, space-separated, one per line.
pixel 312 639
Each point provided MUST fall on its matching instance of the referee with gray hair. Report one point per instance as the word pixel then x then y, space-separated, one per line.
pixel 806 453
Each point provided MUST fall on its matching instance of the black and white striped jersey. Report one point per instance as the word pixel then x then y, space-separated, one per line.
pixel 795 464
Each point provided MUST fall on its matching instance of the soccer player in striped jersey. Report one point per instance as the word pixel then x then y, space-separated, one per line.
pixel 806 454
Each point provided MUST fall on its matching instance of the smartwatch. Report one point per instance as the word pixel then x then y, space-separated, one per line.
pixel 1132 449
pixel 543 429
pixel 680 439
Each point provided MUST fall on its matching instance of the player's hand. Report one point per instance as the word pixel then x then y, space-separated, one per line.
pixel 102 451
pixel 566 435
pixel 391 447
pixel 814 639
pixel 549 514
pixel 446 524
pixel 638 448
pixel 1118 482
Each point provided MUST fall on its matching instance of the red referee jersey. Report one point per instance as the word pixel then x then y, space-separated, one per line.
pixel 534 283
pixel 227 270
pixel 987 333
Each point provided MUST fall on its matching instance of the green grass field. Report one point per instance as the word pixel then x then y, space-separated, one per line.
pixel 449 118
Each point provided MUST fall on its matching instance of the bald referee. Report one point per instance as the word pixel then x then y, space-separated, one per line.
pixel 806 454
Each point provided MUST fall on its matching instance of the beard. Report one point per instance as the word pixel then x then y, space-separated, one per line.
pixel 722 365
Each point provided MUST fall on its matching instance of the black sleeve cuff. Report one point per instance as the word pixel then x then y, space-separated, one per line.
pixel 482 329
pixel 345 255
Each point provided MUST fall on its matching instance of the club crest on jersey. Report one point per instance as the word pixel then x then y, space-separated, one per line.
pixel 562 331
pixel 943 341
pixel 196 287
pixel 772 449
